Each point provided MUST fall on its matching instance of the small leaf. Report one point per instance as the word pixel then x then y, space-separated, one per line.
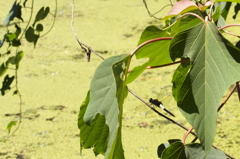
pixel 42 13
pixel 3 69
pixel 10 37
pixel 180 8
pixel 14 60
pixel 15 12
pixel 6 84
pixel 10 125
pixel 31 36
pixel 39 28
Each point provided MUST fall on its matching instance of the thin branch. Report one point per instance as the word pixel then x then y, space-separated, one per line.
pixel 85 47
pixel 152 15
pixel 169 64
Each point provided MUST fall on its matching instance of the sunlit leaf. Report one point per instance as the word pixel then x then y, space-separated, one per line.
pixel 14 60
pixel 158 52
pixel 180 8
pixel 10 125
pixel 107 93
pixel 3 68
pixel 15 12
pixel 215 67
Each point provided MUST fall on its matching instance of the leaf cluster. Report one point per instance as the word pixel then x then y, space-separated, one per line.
pixel 209 64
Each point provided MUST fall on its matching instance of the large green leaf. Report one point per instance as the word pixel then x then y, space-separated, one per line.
pixel 104 110
pixel 215 67
pixel 178 150
pixel 158 51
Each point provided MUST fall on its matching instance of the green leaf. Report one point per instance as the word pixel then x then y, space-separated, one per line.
pixel 6 84
pixel 3 69
pixel 221 12
pixel 10 37
pixel 178 150
pixel 158 52
pixel 10 125
pixel 14 60
pixel 93 135
pixel 15 12
pixel 215 67
pixel 31 36
pixel 39 28
pixel 42 13
pixel 107 93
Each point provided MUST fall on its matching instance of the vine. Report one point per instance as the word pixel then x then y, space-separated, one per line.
pixel 12 40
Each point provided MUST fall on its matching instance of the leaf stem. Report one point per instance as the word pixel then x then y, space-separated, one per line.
pixel 186 134
pixel 149 41
pixel 193 15
pixel 169 64
pixel 231 25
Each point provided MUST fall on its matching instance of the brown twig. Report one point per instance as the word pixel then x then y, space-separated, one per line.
pixel 238 90
pixel 85 47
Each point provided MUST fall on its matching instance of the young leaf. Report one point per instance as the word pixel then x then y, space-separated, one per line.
pixel 42 13
pixel 180 8
pixel 215 67
pixel 10 125
pixel 15 12
pixel 107 93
